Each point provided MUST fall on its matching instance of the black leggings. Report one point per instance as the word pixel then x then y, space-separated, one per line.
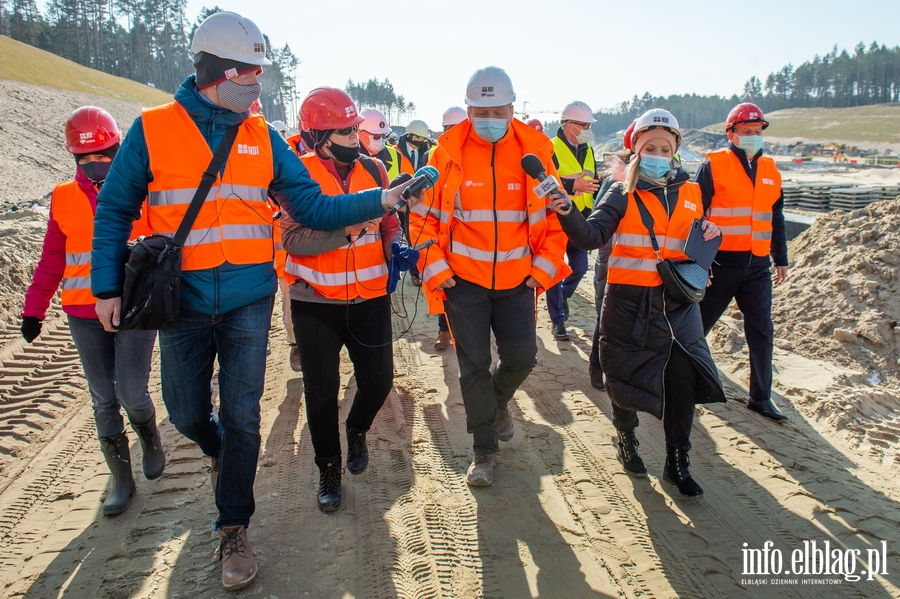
pixel 322 329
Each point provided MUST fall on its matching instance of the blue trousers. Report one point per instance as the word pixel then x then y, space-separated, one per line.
pixel 578 262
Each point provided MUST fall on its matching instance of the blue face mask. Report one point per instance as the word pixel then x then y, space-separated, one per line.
pixel 655 167
pixel 491 130
pixel 751 144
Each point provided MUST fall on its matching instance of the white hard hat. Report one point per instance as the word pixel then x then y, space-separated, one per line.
pixel 454 116
pixel 229 35
pixel 375 121
pixel 417 127
pixel 279 126
pixel 656 117
pixel 490 86
pixel 577 111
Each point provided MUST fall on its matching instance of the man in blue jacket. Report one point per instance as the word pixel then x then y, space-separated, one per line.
pixel 226 297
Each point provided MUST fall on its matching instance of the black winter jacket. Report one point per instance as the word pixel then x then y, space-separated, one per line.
pixel 639 324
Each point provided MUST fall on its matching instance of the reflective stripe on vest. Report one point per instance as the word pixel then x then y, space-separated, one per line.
pixel 235 222
pixel 742 209
pixel 488 216
pixel 489 256
pixel 633 261
pixel 355 270
pixel 569 165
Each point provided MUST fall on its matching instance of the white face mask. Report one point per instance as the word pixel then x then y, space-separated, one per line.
pixel 585 137
pixel 374 145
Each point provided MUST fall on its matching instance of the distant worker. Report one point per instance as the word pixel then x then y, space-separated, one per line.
pixel 280 127
pixel 413 148
pixel 228 276
pixel 653 352
pixel 256 107
pixel 373 135
pixel 742 194
pixel 116 365
pixel 497 243
pixel 536 124
pixel 574 159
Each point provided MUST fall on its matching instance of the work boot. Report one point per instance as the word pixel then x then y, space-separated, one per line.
pixel 153 459
pixel 766 408
pixel 329 496
pixel 295 357
pixel 559 331
pixel 118 459
pixel 627 451
pixel 596 376
pixel 677 472
pixel 505 424
pixel 565 308
pixel 481 470
pixel 214 472
pixel 357 452
pixel 443 340
pixel 236 555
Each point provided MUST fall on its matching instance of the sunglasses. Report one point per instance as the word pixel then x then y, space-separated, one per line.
pixel 347 130
pixel 379 135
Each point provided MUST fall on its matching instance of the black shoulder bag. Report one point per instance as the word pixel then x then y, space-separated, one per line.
pixel 684 281
pixel 151 294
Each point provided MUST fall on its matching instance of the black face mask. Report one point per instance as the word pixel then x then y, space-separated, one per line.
pixel 96 171
pixel 422 145
pixel 343 153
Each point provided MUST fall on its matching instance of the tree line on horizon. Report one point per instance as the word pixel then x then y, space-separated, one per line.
pixel 142 40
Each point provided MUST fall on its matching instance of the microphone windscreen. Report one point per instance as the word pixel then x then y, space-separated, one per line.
pixel 531 164
pixel 428 172
pixel 400 179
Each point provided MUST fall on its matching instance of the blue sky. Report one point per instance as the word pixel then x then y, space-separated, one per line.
pixel 557 51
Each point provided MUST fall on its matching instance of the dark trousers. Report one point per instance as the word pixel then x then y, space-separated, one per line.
pixel 683 384
pixel 442 323
pixel 475 311
pixel 600 271
pixel 322 330
pixel 566 288
pixel 751 287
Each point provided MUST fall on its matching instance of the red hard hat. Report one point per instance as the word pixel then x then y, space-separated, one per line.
pixel 90 130
pixel 256 107
pixel 329 108
pixel 628 133
pixel 536 124
pixel 745 113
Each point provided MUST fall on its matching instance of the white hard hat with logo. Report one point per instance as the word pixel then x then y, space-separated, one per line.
pixel 417 127
pixel 577 111
pixel 229 35
pixel 453 116
pixel 488 87
pixel 656 117
pixel 375 121
pixel 279 126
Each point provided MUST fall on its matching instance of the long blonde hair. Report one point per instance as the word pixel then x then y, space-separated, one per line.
pixel 632 173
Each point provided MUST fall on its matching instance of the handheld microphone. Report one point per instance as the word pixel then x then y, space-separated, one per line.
pixel 425 178
pixel 532 166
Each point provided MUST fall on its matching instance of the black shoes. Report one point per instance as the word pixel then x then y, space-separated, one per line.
pixel 357 451
pixel 559 331
pixel 329 496
pixel 153 459
pixel 118 459
pixel 677 472
pixel 627 450
pixel 596 376
pixel 504 423
pixel 767 409
pixel 565 309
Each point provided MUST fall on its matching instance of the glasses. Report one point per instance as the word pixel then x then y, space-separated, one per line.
pixel 347 130
pixel 581 126
pixel 377 136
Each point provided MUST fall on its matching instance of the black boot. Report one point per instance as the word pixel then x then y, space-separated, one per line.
pixel 118 459
pixel 627 450
pixel 329 497
pixel 678 473
pixel 357 452
pixel 153 459
pixel 596 376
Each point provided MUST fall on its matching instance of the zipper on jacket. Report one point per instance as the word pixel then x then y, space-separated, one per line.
pixel 669 354
pixel 496 224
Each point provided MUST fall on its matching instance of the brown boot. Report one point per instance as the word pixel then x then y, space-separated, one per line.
pixel 443 340
pixel 236 555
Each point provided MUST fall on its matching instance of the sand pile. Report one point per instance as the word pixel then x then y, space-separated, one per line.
pixel 21 238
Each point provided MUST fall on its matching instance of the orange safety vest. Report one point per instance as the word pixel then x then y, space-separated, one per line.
pixel 633 261
pixel 71 209
pixel 294 141
pixel 355 270
pixel 490 226
pixel 406 166
pixel 742 209
pixel 235 221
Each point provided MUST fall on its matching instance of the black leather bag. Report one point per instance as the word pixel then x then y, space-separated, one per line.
pixel 685 280
pixel 151 294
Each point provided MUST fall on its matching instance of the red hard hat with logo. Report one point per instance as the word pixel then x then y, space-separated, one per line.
pixel 628 133
pixel 90 130
pixel 745 113
pixel 329 108
pixel 536 124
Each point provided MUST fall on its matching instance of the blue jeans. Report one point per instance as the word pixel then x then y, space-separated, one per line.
pixel 578 262
pixel 117 367
pixel 188 353
pixel 474 311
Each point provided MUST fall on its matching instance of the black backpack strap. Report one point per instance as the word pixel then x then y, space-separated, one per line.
pixel 647 219
pixel 206 182
pixel 371 167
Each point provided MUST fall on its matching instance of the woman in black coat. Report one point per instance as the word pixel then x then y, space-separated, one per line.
pixel 652 349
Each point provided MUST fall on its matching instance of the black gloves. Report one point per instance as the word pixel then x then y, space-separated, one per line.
pixel 31 327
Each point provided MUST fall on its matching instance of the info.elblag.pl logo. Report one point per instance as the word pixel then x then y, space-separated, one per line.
pixel 813 563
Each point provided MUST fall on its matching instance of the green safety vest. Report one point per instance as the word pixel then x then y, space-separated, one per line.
pixel 394 168
pixel 568 165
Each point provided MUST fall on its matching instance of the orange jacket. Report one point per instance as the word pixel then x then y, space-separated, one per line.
pixel 740 207
pixel 235 222
pixel 633 261
pixel 490 226
pixel 72 212
pixel 295 141
pixel 355 270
